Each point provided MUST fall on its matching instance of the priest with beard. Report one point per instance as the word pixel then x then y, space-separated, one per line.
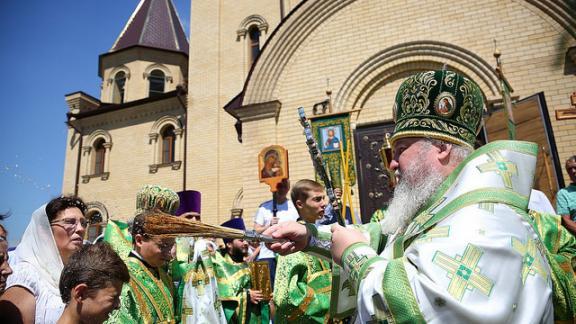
pixel 241 303
pixel 457 244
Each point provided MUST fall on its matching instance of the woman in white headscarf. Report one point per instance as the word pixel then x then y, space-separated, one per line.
pixel 55 232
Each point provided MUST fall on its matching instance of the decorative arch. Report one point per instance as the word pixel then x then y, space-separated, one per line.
pixel 112 86
pixel 287 38
pixel 99 133
pixel 155 141
pixel 158 66
pixel 386 65
pixel 249 21
pixel 117 69
pixel 89 154
pixel 97 216
pixel 562 12
pixel 251 32
pixel 162 121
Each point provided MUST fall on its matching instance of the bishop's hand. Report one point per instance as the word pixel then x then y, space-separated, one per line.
pixel 343 237
pixel 295 235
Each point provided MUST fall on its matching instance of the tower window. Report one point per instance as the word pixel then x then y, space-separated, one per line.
pixel 254 43
pixel 99 157
pixel 119 87
pixel 168 141
pixel 157 80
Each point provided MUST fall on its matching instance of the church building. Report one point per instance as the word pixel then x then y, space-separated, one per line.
pixel 196 117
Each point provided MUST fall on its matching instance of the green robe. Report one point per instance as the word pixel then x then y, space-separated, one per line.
pixel 146 299
pixel 233 284
pixel 561 247
pixel 378 215
pixel 302 289
pixel 118 237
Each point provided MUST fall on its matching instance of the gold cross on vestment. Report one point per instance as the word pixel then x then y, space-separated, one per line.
pixel 506 169
pixel 464 272
pixel 436 232
pixel 531 265
pixel 419 221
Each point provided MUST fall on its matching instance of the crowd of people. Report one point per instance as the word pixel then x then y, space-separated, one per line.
pixel 458 243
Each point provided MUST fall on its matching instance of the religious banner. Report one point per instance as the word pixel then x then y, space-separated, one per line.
pixel 332 133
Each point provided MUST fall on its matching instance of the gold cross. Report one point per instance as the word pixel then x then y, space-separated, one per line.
pixel 464 272
pixel 531 264
pixel 436 232
pixel 423 217
pixel 487 206
pixel 498 164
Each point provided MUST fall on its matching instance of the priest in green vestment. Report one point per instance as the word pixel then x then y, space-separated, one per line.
pixel 149 296
pixel 457 244
pixel 241 303
pixel 303 282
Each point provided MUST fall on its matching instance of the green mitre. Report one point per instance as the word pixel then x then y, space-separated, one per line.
pixel 438 104
pixel 152 197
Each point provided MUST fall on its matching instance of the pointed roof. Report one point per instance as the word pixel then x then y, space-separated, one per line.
pixel 154 23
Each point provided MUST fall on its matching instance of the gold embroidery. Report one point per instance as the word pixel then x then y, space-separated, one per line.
pixel 138 269
pixel 464 272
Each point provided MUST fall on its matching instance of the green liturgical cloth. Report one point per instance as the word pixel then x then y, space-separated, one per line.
pixel 117 235
pixel 302 289
pixel 233 284
pixel 146 299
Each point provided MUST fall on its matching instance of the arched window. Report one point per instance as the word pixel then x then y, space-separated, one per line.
pixel 156 80
pixel 96 225
pixel 253 43
pixel 168 144
pixel 99 157
pixel 119 87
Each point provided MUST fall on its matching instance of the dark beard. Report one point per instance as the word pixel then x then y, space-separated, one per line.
pixel 237 255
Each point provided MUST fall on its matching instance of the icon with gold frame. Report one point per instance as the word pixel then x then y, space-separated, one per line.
pixel 260 278
pixel 273 165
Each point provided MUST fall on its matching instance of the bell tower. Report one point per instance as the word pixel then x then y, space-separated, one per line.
pixel 149 57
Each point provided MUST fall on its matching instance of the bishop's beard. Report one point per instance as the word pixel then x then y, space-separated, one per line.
pixel 417 183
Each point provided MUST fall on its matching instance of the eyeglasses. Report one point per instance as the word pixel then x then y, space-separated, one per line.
pixel 70 223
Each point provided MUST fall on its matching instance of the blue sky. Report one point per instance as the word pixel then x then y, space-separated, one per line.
pixel 49 49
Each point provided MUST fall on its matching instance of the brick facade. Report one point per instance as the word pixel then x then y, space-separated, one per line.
pixel 365 48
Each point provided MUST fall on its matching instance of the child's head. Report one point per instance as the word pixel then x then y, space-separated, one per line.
pixel 309 198
pixel 92 282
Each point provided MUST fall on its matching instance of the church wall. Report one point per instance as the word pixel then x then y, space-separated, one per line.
pixel 527 38
pixel 217 70
pixel 129 158
pixel 72 147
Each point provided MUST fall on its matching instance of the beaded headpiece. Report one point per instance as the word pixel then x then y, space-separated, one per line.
pixel 438 104
pixel 152 197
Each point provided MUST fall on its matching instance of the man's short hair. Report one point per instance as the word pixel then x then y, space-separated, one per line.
pixel 302 187
pixel 96 265
pixel 571 159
